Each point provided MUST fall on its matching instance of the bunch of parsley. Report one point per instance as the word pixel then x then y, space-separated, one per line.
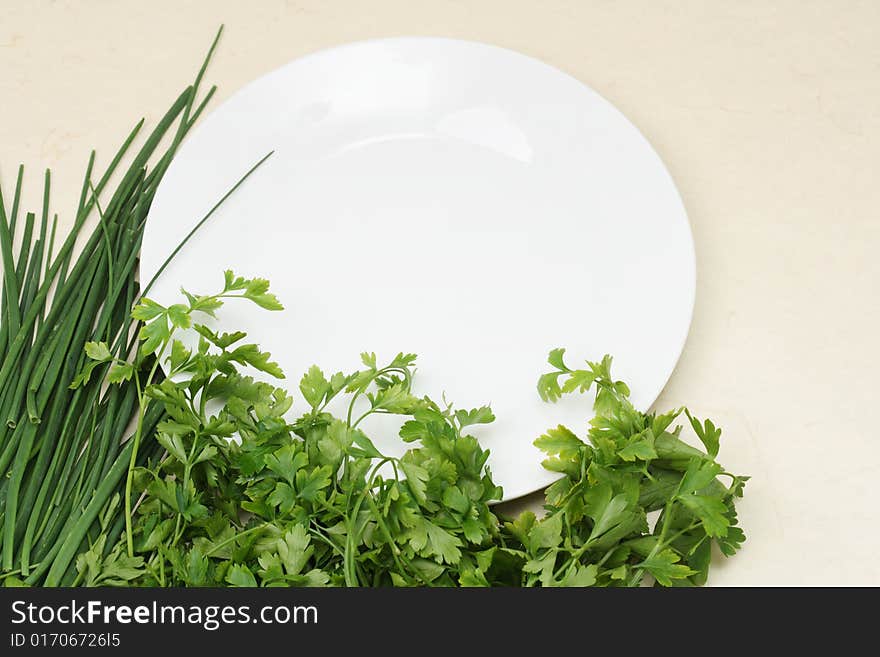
pixel 241 496
pixel 597 529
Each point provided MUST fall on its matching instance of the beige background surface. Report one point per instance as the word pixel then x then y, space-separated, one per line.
pixel 766 113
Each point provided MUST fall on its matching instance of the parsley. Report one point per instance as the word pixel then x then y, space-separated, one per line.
pixel 243 496
pixel 630 465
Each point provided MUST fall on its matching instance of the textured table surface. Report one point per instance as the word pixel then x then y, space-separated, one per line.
pixel 766 113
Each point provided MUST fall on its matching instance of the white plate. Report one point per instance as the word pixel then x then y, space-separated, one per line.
pixel 453 199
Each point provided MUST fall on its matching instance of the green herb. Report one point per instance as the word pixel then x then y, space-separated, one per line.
pixel 62 450
pixel 217 486
pixel 631 464
pixel 240 496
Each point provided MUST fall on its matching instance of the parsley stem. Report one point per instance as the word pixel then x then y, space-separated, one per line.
pixel 129 477
pixel 351 578
pixel 682 532
pixel 407 377
pixel 395 551
pixel 315 530
pixel 661 543
pixel 235 537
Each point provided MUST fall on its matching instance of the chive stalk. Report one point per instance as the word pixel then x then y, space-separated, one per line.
pixel 65 453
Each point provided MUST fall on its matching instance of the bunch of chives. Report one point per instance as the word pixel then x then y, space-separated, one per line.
pixel 64 453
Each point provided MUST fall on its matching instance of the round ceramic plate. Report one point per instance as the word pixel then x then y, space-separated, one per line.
pixel 452 199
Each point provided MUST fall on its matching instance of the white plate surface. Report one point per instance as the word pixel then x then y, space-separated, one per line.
pixel 453 199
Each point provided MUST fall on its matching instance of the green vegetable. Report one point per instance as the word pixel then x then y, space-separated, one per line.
pixel 61 447
pixel 631 464
pixel 241 496
pixel 217 486
pixel 306 503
